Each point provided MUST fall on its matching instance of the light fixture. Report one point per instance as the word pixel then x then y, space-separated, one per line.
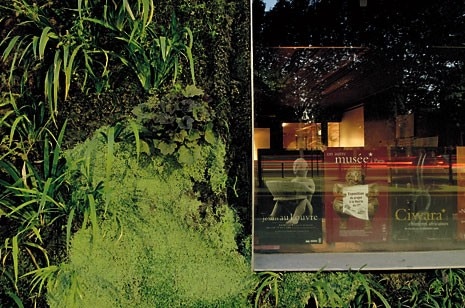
pixel 363 3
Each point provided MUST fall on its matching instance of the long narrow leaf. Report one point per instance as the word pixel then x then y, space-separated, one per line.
pixel 150 15
pixel 57 150
pixel 13 128
pixel 36 232
pixel 12 69
pixel 93 215
pixel 46 157
pixel 80 11
pixel 41 276
pixel 26 49
pixel 9 48
pixel 135 33
pixel 45 197
pixel 42 249
pixel 6 116
pixel 11 171
pixel 190 57
pixel 16 299
pixel 48 88
pixel 69 225
pixel 69 69
pixel 17 209
pixel 56 81
pixel 15 253
pixel 101 23
pixel 35 46
pixel 164 47
pixel 128 9
pixel 43 41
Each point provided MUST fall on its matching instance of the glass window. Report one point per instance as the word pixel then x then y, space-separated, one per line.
pixel 360 107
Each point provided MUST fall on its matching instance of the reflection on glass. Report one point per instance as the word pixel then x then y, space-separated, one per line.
pixel 376 117
pixel 378 199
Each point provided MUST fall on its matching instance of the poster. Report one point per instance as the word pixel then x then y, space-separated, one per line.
pixel 287 213
pixel 423 201
pixel 356 201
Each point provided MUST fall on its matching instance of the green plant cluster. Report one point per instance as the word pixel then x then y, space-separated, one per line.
pixel 177 121
pixel 85 45
pixel 435 288
pixel 154 243
pixel 33 198
pixel 106 187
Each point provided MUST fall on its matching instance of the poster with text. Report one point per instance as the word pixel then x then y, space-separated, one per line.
pixel 356 200
pixel 288 212
pixel 423 199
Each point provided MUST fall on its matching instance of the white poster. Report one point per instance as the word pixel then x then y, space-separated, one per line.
pixel 355 201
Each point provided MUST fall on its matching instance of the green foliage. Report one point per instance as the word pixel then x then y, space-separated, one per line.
pixel 157 243
pixel 177 121
pixel 267 286
pixel 47 47
pixel 153 58
pixel 54 46
pixel 32 197
pixel 325 289
pixel 222 55
pixel 321 289
pixel 23 127
pixel 438 288
pixel 435 288
pixel 179 124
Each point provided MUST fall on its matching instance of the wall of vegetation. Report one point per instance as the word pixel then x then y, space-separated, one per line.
pixel 125 168
pixel 169 72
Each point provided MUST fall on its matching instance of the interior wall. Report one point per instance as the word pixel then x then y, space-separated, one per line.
pixel 261 138
pixel 352 128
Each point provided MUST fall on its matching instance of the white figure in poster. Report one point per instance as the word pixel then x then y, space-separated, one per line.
pixel 299 190
pixel 300 168
pixel 363 207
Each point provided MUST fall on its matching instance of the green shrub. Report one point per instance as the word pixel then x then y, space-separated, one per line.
pixel 156 243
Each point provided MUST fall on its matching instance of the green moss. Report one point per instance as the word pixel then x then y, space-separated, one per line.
pixel 158 245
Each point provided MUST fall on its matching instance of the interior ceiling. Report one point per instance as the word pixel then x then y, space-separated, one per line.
pixel 335 77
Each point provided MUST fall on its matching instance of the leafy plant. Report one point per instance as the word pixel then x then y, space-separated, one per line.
pixel 33 193
pixel 177 122
pixel 267 285
pixel 369 292
pixel 32 204
pixel 439 288
pixel 54 47
pixel 320 289
pixel 23 127
pixel 153 58
pixel 48 43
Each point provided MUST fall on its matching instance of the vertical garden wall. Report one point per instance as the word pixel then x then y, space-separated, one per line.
pixel 168 81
